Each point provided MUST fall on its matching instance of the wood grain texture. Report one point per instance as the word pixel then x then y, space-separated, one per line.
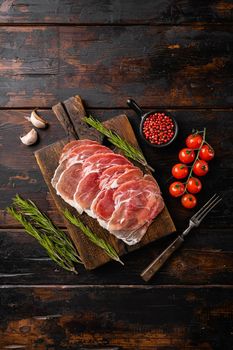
pixel 48 158
pixel 91 255
pixel 115 12
pixel 160 260
pixel 76 112
pixel 209 247
pixel 63 118
pixel 205 258
pixel 164 53
pixel 100 317
pixel 160 66
pixel 20 173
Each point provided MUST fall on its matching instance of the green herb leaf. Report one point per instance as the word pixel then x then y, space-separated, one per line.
pixel 56 242
pixel 109 250
pixel 128 150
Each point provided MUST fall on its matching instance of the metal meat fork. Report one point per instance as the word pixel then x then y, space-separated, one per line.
pixel 195 221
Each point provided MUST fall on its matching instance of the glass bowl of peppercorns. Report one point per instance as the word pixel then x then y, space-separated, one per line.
pixel 158 129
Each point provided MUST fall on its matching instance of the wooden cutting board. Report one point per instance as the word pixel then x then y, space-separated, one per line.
pixel 70 114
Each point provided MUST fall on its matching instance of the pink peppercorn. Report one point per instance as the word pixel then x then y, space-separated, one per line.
pixel 158 128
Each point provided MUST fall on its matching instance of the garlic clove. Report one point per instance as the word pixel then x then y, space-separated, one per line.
pixel 30 138
pixel 37 121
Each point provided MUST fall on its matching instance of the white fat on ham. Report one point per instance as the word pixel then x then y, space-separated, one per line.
pixel 80 153
pixel 86 191
pixel 68 183
pixel 59 170
pixel 70 151
pixel 103 205
pixel 108 187
pixel 115 175
pixel 89 185
pixel 100 162
pixel 69 147
pixel 128 211
pixel 138 202
pixel 76 156
pixel 133 237
pixel 151 178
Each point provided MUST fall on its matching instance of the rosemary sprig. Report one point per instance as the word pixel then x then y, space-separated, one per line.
pixel 41 220
pixel 109 250
pixel 128 150
pixel 57 244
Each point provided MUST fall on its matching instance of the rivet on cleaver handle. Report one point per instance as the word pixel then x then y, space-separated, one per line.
pixel 161 259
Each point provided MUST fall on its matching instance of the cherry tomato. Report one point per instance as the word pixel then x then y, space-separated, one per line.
pixel 186 155
pixel 200 168
pixel 194 141
pixel 206 153
pixel 194 185
pixel 180 171
pixel 189 201
pixel 176 189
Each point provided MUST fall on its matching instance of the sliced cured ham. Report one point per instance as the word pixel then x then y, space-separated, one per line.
pixel 80 153
pixel 137 203
pixel 69 147
pixel 103 205
pixel 68 183
pixel 118 174
pixel 133 237
pixel 69 151
pixel 151 178
pixel 100 162
pixel 61 167
pixel 86 191
pixel 77 155
pixel 93 167
pixel 107 186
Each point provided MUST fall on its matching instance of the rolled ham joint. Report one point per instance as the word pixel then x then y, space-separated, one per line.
pixel 108 187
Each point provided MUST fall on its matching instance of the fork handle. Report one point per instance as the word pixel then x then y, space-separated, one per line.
pixel 161 259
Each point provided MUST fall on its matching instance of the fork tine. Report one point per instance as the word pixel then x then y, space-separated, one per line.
pixel 204 206
pixel 207 210
pixel 207 207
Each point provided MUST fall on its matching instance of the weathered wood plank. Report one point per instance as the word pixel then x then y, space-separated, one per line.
pixel 76 111
pixel 91 255
pixel 115 12
pixel 47 159
pixel 163 66
pixel 63 118
pixel 101 317
pixel 206 257
pixel 20 173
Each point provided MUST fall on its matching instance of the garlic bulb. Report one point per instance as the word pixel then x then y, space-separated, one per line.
pixel 30 138
pixel 37 121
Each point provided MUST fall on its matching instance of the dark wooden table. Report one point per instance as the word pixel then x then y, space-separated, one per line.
pixel 168 55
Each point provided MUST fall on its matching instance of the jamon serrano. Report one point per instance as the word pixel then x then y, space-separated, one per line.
pixel 69 147
pixel 68 183
pixel 137 203
pixel 93 167
pixel 80 153
pixel 71 151
pixel 117 174
pixel 103 205
pixel 108 187
pixel 100 162
pixel 77 155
